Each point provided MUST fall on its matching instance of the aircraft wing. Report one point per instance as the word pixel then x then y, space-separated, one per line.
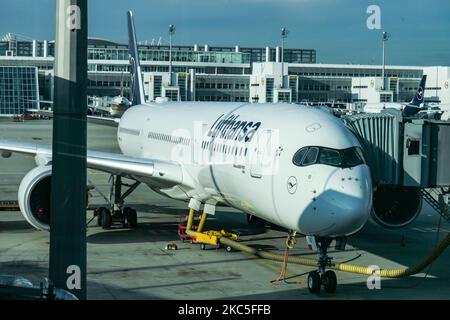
pixel 45 113
pixel 105 121
pixel 163 172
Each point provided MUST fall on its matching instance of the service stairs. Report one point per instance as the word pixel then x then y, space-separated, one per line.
pixel 438 199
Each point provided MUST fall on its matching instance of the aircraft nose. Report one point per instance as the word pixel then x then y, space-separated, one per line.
pixel 342 207
pixel 350 199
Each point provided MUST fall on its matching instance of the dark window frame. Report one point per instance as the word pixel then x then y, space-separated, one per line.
pixel 358 152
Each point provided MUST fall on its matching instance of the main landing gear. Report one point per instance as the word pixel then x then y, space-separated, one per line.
pixel 117 213
pixel 319 278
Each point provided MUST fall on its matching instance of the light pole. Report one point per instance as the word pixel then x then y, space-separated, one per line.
pixel 385 38
pixel 284 33
pixel 171 33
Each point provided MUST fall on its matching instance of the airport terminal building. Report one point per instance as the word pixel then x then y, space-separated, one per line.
pixel 207 73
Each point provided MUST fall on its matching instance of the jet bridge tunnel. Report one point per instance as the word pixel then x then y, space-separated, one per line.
pixel 409 160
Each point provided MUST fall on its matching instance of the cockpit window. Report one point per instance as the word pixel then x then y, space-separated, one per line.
pixel 311 156
pixel 352 157
pixel 330 156
pixel 345 158
pixel 299 155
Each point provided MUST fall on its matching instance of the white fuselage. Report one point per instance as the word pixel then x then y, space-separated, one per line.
pixel 241 155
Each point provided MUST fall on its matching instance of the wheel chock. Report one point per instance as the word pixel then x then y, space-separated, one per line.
pixel 171 246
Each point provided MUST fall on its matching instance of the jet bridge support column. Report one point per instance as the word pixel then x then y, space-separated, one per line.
pixel 67 268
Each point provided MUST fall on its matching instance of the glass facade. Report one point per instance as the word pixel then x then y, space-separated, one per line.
pixel 18 89
pixel 284 97
pixel 182 81
pixel 290 55
pixel 222 88
pixel 162 54
pixel 108 84
pixel 299 55
pixel 25 48
pixel 293 85
pixel 158 86
pixel 324 89
pixel 350 71
pixel 221 73
pixel 269 89
pixel 106 50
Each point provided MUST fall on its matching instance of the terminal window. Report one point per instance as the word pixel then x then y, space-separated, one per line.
pixel 18 89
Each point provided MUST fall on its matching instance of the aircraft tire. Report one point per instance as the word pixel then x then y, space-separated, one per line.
pixel 106 219
pixel 314 282
pixel 330 282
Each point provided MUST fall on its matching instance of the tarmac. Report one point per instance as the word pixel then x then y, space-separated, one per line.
pixel 134 264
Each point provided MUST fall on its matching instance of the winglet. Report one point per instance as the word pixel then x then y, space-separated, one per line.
pixel 137 88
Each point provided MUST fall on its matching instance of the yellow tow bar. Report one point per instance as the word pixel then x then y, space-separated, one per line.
pixel 211 237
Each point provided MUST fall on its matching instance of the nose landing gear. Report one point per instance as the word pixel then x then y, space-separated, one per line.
pixel 319 278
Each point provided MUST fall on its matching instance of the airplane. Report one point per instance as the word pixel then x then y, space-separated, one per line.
pixel 295 166
pixel 109 106
pixel 408 109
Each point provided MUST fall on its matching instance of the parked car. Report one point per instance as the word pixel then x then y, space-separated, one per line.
pixel 27 115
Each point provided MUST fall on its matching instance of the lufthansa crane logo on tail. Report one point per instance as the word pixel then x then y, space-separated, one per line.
pixel 292 185
pixel 132 68
pixel 420 93
pixel 132 73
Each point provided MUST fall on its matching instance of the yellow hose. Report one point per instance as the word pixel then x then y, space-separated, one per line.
pixel 386 273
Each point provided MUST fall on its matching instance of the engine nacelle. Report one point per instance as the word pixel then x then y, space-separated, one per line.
pixel 396 207
pixel 34 197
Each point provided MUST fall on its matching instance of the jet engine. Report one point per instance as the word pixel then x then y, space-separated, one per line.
pixel 396 207
pixel 34 197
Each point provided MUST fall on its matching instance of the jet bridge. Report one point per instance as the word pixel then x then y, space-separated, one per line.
pixel 409 160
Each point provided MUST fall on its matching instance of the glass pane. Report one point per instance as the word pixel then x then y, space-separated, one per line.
pixel 299 155
pixel 311 156
pixel 330 157
pixel 351 157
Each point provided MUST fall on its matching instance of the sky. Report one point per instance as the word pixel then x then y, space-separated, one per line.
pixel 420 30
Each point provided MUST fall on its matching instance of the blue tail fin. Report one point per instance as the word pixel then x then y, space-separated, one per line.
pixel 137 88
pixel 418 98
pixel 416 104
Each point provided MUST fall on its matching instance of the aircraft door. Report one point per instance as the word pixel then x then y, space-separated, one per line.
pixel 265 166
pixel 287 184
pixel 261 159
